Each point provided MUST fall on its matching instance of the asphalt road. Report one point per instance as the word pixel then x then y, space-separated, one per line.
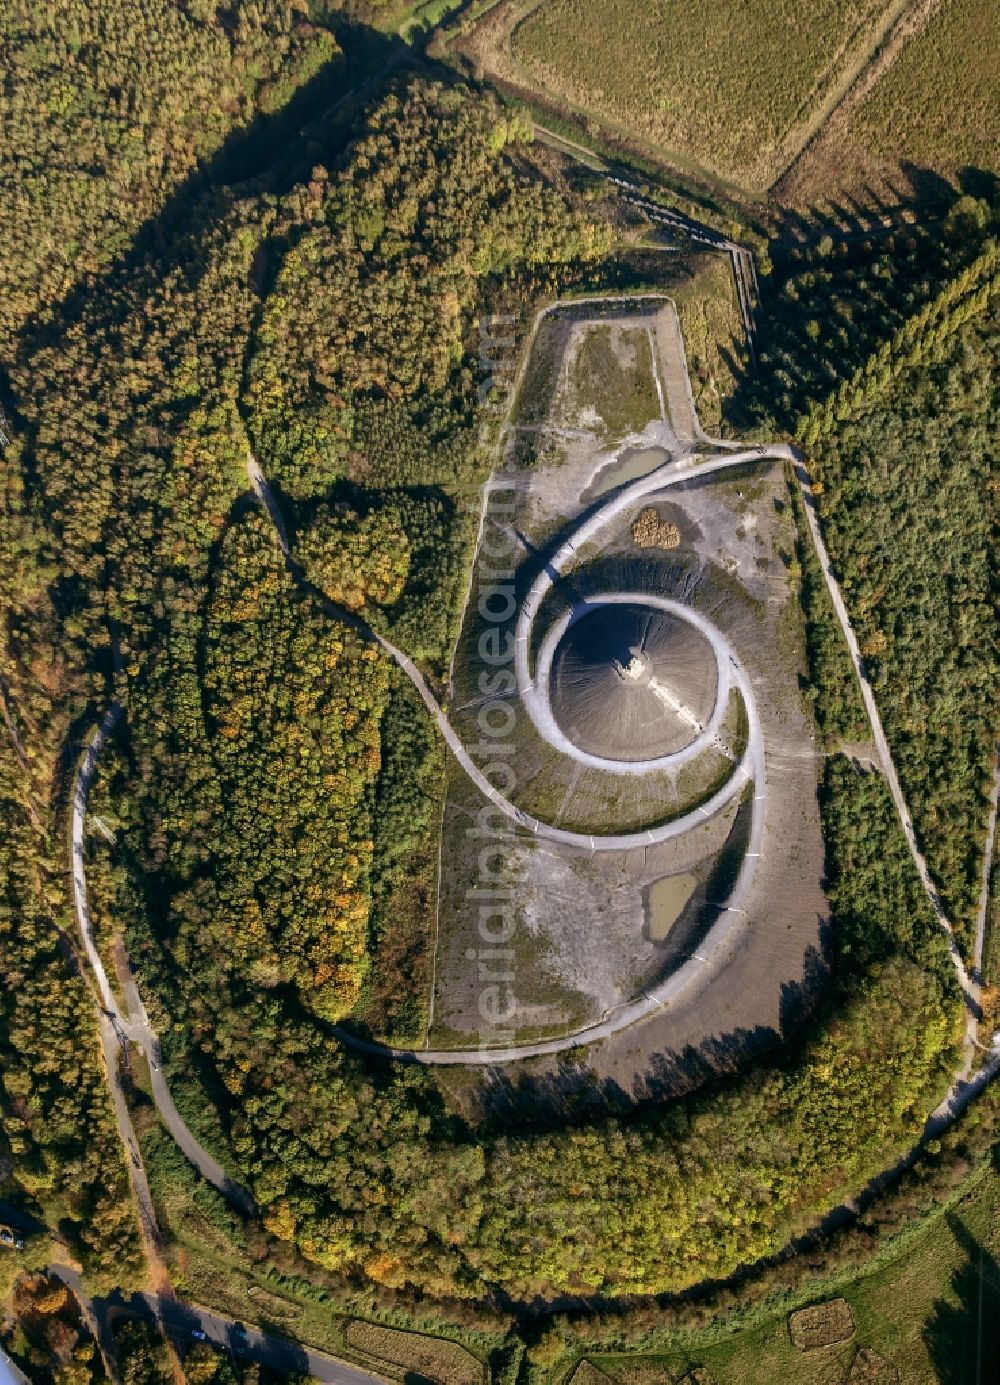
pixel 181 1319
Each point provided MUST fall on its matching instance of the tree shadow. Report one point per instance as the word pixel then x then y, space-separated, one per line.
pixel 844 278
pixel 268 1344
pixel 980 182
pixel 573 1095
pixel 270 154
pixel 962 1334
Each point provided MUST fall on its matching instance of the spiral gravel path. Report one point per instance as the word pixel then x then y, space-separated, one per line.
pixel 534 692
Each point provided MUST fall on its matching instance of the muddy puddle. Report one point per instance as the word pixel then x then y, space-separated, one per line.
pixel 633 463
pixel 666 900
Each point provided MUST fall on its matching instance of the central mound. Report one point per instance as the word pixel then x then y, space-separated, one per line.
pixel 631 683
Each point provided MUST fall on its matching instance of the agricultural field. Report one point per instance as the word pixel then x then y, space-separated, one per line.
pixel 929 105
pixel 410 1353
pixel 675 80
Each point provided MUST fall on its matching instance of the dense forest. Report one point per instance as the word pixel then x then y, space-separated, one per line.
pixel 832 692
pixel 374 300
pixel 105 115
pixel 895 341
pixel 141 1355
pixel 833 302
pixel 365 1169
pixel 273 879
pixel 919 464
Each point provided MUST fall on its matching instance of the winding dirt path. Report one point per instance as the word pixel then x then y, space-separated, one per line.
pixel 671 473
pixel 984 886
pixel 970 986
pixel 116 1027
pixel 534 694
pixel 109 1023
